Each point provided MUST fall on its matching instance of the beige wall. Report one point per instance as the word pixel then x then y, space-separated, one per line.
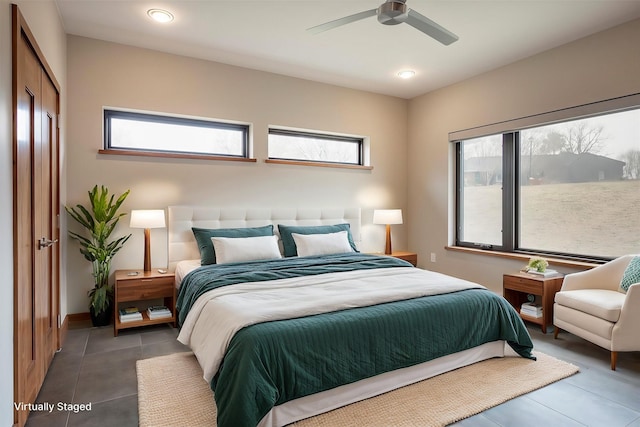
pixel 43 20
pixel 598 67
pixel 108 74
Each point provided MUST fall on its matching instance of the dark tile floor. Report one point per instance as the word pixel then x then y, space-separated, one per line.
pixel 95 367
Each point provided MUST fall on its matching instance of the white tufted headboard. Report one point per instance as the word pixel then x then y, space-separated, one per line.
pixel 182 244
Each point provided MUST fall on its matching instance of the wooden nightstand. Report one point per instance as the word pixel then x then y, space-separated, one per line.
pixel 516 286
pixel 140 287
pixel 411 257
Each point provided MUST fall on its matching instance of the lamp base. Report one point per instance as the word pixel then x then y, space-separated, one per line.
pixel 147 249
pixel 387 248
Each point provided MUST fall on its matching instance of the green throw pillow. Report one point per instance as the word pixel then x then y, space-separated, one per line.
pixel 289 245
pixel 631 274
pixel 205 246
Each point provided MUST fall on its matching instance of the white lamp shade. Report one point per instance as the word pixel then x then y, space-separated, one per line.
pixel 387 216
pixel 147 219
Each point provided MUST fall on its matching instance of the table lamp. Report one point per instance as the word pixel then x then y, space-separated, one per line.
pixel 387 217
pixel 147 219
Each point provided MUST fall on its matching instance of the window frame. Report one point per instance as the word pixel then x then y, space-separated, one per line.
pixel 110 113
pixel 301 133
pixel 510 131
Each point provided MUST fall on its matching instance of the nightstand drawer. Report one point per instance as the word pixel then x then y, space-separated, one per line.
pixel 137 289
pixel 523 284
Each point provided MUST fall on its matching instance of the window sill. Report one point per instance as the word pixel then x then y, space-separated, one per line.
pixel 581 265
pixel 317 164
pixel 174 155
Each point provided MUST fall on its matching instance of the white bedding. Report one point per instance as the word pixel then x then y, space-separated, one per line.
pixel 218 314
pixel 183 268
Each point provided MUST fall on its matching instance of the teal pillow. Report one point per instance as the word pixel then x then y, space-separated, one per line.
pixel 289 245
pixel 631 274
pixel 205 246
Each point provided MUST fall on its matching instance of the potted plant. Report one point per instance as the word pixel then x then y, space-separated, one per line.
pixel 100 220
pixel 537 264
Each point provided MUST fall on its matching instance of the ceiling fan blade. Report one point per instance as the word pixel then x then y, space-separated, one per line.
pixel 430 28
pixel 342 21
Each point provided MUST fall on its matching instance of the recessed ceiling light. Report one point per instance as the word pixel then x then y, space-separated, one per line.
pixel 406 74
pixel 160 15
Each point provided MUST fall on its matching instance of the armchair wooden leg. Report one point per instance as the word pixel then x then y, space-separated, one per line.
pixel 556 331
pixel 614 359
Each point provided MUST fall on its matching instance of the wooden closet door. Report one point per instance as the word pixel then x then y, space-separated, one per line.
pixel 36 231
pixel 45 221
pixel 30 366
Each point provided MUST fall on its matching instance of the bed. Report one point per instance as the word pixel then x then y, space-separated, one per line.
pixel 283 339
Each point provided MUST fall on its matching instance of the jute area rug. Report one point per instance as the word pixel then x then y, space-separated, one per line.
pixel 171 392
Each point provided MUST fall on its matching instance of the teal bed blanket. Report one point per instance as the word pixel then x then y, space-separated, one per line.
pixel 270 363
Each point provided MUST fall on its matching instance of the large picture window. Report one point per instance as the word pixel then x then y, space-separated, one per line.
pixel 571 188
pixel 151 133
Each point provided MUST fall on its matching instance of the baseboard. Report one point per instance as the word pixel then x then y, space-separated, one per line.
pixel 78 317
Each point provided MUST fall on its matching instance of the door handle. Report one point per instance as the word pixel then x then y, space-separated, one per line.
pixel 45 243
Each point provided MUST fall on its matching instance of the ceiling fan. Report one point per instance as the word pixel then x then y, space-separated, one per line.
pixel 393 12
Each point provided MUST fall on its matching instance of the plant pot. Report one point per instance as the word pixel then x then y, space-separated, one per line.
pixel 103 318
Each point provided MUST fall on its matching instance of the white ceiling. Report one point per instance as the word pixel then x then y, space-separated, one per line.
pixel 270 35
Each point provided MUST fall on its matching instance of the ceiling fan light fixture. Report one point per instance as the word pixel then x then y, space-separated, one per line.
pixel 406 74
pixel 160 15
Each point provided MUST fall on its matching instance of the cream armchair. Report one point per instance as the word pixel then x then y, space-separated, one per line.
pixel 591 305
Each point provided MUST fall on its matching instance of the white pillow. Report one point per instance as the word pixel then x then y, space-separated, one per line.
pixel 322 244
pixel 239 249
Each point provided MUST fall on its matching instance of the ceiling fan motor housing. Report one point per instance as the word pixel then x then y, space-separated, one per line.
pixel 392 12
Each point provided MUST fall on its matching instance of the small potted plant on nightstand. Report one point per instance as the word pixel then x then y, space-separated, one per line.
pixel 537 264
pixel 100 220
